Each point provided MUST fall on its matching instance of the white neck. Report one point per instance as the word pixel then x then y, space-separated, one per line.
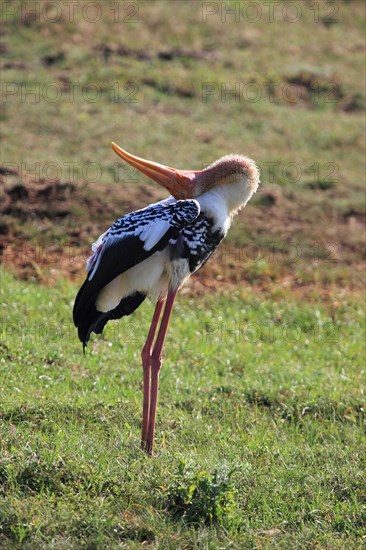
pixel 224 201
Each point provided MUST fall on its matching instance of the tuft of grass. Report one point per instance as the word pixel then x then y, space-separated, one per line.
pixel 202 497
pixel 320 184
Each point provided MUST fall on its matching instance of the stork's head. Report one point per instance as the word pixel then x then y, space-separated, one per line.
pixel 236 176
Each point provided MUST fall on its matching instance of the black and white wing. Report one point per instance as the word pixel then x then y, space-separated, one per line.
pixel 128 242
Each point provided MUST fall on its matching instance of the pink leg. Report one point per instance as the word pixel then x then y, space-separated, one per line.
pixel 146 365
pixel 155 368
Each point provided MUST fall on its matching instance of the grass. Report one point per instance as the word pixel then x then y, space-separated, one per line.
pixel 260 437
pixel 260 431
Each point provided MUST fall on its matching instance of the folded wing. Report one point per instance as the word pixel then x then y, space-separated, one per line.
pixel 128 242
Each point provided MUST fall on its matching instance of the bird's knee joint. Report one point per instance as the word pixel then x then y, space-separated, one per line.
pixel 156 362
pixel 146 358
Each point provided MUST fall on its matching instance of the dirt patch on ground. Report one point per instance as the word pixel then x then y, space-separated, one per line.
pixel 111 51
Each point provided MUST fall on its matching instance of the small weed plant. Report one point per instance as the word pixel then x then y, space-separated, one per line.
pixel 203 497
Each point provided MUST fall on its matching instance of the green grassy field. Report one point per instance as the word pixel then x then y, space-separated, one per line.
pixel 251 391
pixel 261 426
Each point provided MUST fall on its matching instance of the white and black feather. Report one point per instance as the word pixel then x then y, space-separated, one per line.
pixel 128 242
pixel 150 225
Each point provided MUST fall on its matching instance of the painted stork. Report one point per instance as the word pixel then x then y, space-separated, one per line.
pixel 153 251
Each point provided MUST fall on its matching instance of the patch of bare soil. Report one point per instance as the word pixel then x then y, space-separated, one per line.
pixel 109 51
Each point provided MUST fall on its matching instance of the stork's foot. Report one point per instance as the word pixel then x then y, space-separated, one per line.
pixel 147 448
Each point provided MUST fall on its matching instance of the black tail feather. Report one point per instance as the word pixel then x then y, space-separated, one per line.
pixel 88 319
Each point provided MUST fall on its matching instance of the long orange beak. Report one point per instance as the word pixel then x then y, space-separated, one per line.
pixel 179 183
